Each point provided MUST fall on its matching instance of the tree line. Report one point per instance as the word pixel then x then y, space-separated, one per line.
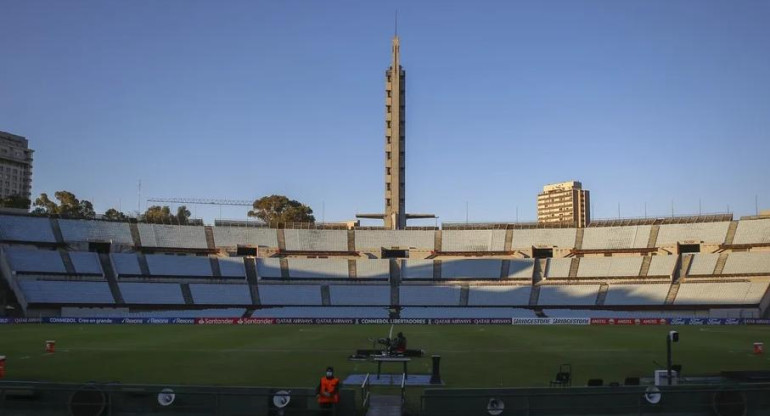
pixel 274 210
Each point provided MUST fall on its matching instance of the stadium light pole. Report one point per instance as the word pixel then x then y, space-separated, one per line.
pixel 672 336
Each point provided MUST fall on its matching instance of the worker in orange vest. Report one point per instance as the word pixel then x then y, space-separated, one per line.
pixel 327 391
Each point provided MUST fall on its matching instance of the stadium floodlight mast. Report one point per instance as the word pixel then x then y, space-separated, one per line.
pixel 672 336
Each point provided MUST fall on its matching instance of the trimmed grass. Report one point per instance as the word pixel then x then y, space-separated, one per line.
pixel 296 355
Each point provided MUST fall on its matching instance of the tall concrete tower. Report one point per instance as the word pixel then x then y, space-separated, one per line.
pixel 395 142
pixel 395 215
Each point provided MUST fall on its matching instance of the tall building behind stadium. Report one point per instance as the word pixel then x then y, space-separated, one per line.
pixel 564 203
pixel 15 166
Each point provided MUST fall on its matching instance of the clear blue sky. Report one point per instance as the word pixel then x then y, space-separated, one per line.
pixel 645 102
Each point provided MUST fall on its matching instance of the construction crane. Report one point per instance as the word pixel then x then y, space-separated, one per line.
pixel 202 201
pixel 205 201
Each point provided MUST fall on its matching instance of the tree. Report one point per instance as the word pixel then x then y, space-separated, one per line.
pixel 183 215
pixel 15 201
pixel 115 215
pixel 278 209
pixel 162 215
pixel 69 206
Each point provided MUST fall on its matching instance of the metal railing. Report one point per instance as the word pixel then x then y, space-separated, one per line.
pixel 365 392
pixel 30 398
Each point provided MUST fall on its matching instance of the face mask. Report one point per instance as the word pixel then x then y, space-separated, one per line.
pixel 329 374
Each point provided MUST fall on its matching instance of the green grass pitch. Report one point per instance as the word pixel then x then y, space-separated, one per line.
pixel 296 355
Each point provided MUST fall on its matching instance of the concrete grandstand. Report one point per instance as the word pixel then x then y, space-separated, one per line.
pixel 700 266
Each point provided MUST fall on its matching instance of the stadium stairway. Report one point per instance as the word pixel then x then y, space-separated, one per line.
pixel 436 269
pixel 680 271
pixel 109 274
pixel 326 299
pixel 352 270
pixel 579 238
pixel 187 294
pixel 209 231
pixel 284 264
pixel 67 260
pixel 538 272
pixel 573 266
pixel 57 231
pixel 645 269
pixel 602 296
pixel 464 290
pixel 730 237
pixel 215 269
pixel 135 237
pixel 534 295
pixel 143 266
pixel 395 280
pixel 251 277
pixel 720 266
pixel 653 239
pixel 385 405
pixel 505 268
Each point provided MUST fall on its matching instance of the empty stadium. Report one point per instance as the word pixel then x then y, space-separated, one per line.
pixel 699 266
pixel 700 270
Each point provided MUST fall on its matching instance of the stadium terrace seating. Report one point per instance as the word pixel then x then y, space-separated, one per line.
pixel 609 266
pixel 752 232
pixel 213 294
pixel 165 265
pixel 318 268
pixel 706 232
pixel 597 238
pixel 365 295
pixel 324 312
pixel 232 267
pixel 521 268
pixel 644 294
pixel 417 269
pixel 290 294
pixel 473 240
pixel 558 268
pixel 703 264
pixel 152 293
pixel 27 260
pixel 429 295
pixel 748 263
pixel 662 265
pixel 316 240
pixel 172 236
pixel 568 295
pixel 189 313
pixel 86 263
pixel 26 229
pixel 498 295
pixel 89 230
pixel 737 293
pixel 126 264
pixel 42 291
pixel 373 269
pixel 470 269
pixel 376 239
pixel 465 312
pixel 245 236
pixel 601 313
pixel 269 268
pixel 557 237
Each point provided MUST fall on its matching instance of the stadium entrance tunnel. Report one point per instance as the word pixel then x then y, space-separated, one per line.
pixel 33 398
pixel 394 253
pixel 685 400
